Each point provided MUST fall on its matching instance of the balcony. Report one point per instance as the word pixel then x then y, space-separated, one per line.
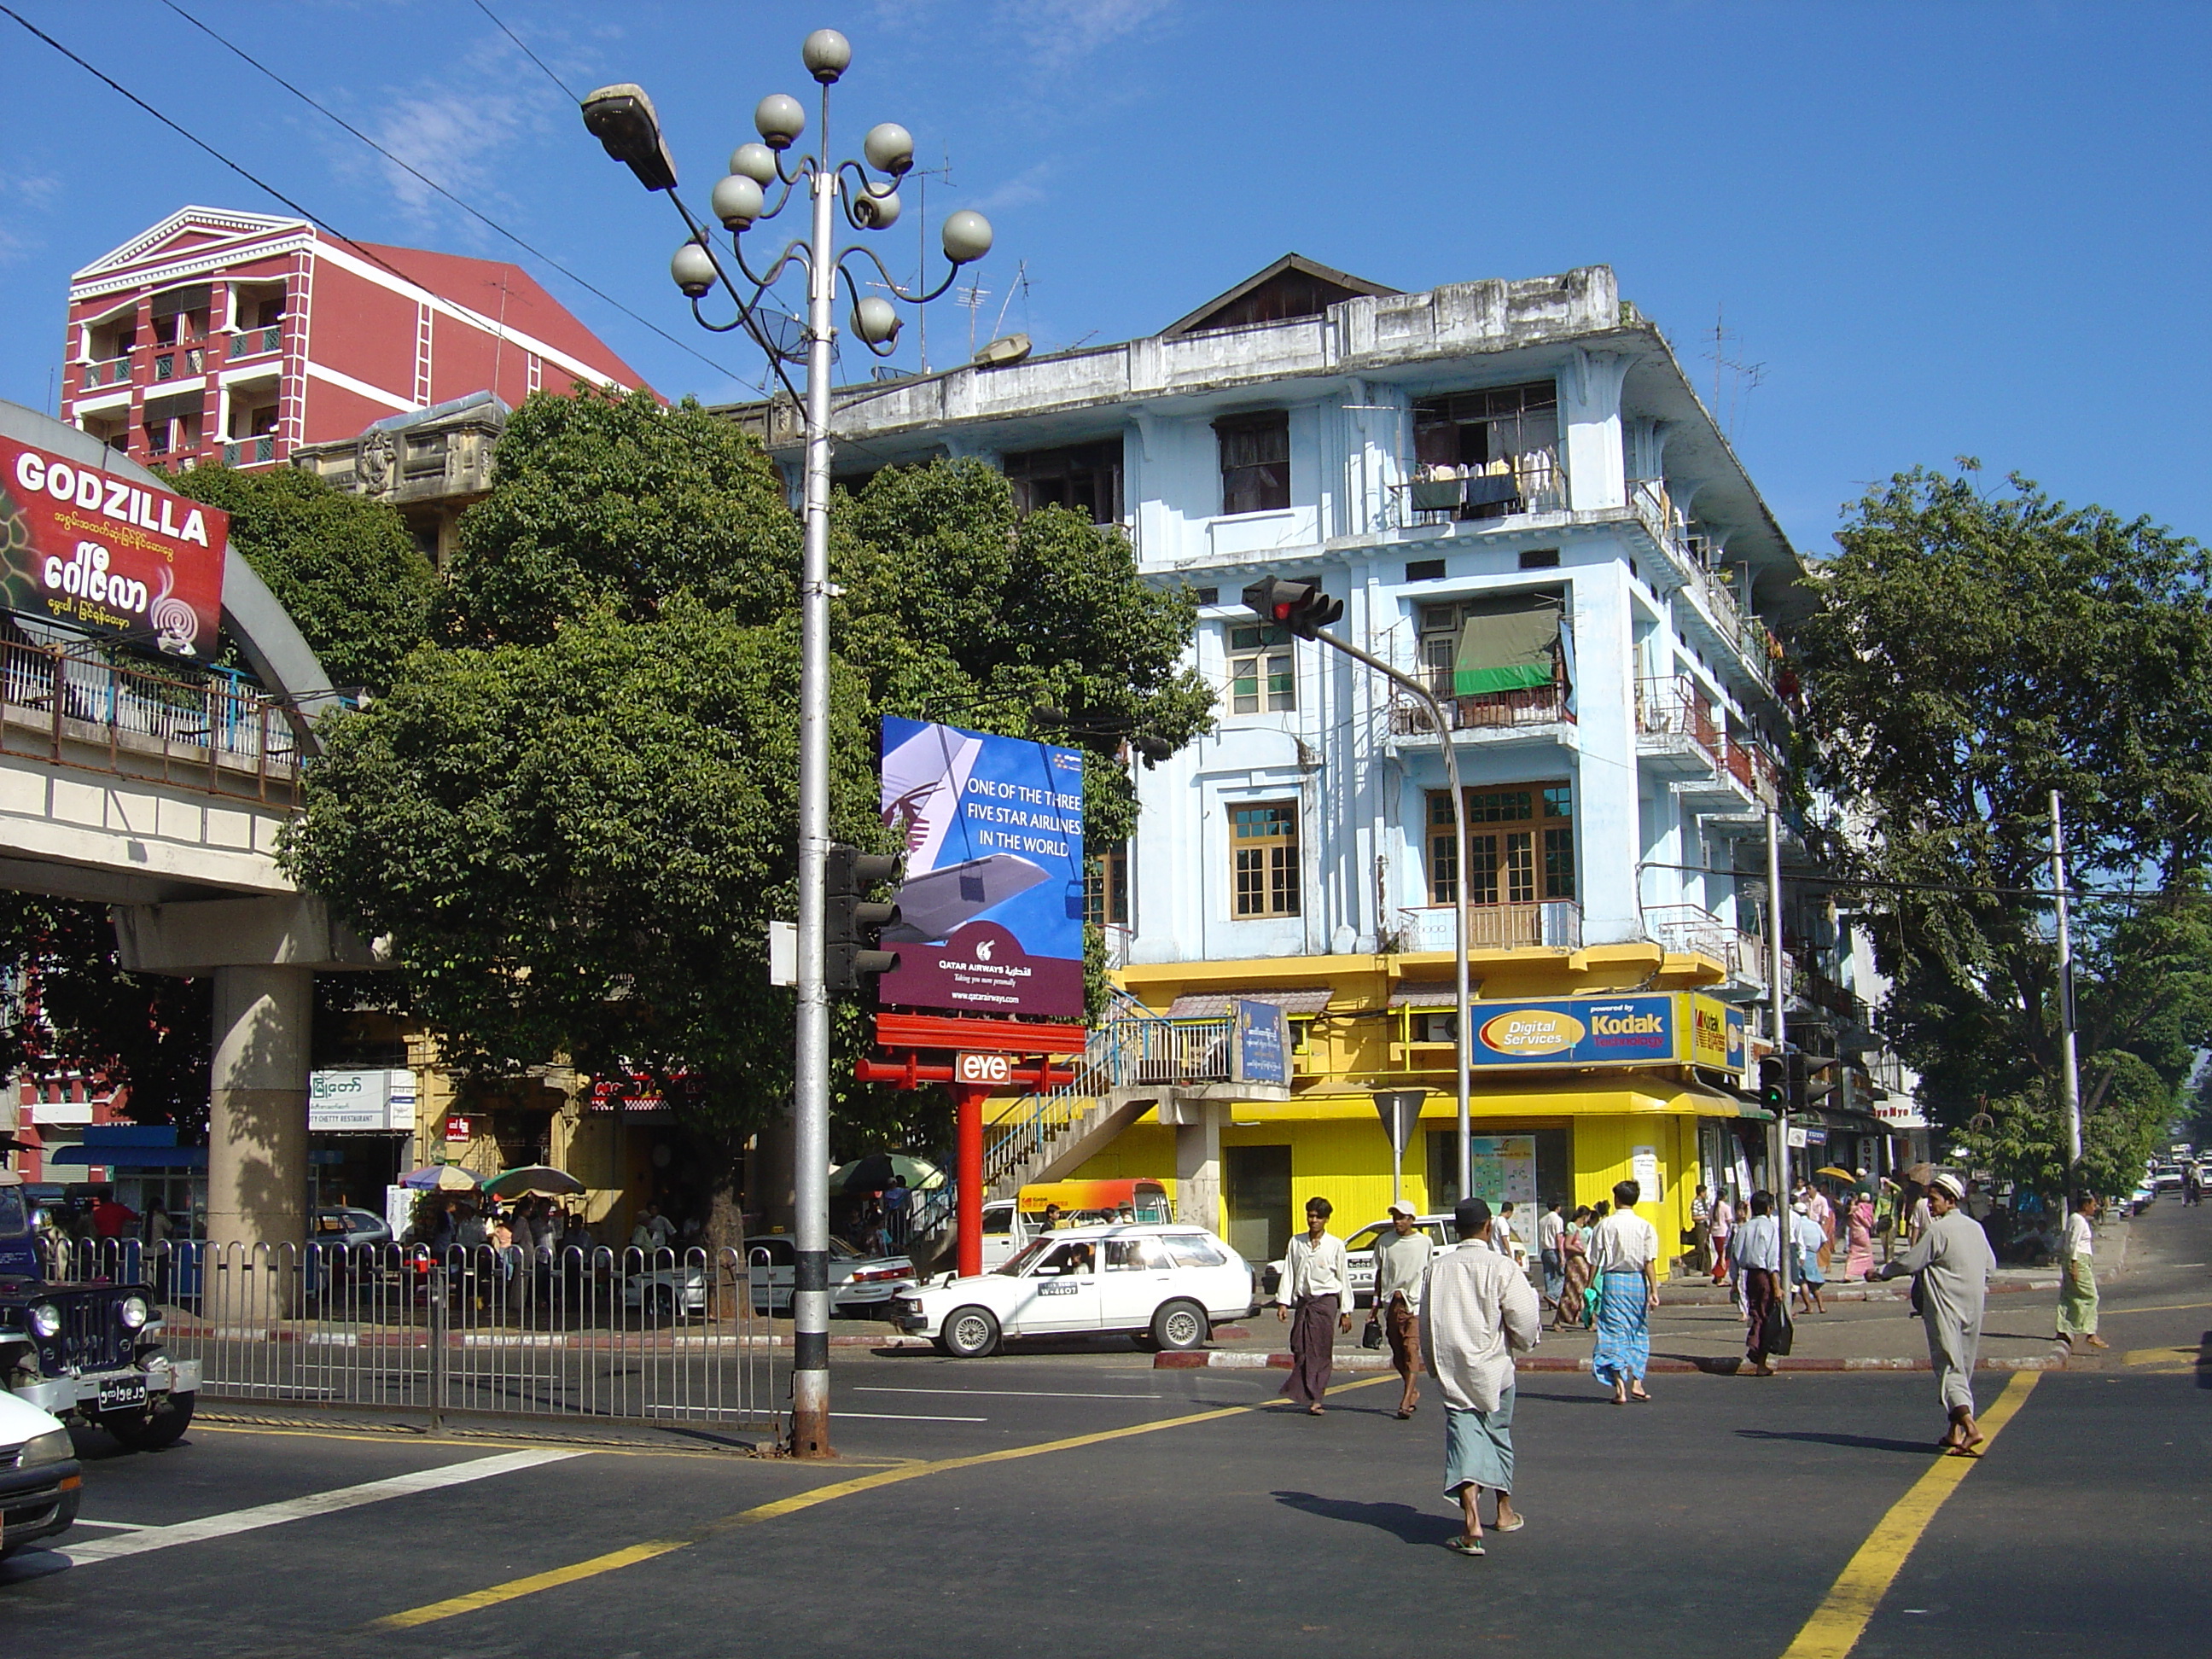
pixel 1754 767
pixel 1677 730
pixel 1744 636
pixel 1548 925
pixel 257 341
pixel 1536 484
pixel 112 371
pixel 255 451
pixel 1491 711
pixel 1691 929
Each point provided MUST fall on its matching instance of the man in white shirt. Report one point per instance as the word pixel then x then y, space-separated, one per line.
pixel 2077 1288
pixel 1315 1295
pixel 1624 1250
pixel 1757 1246
pixel 1477 1310
pixel 1402 1262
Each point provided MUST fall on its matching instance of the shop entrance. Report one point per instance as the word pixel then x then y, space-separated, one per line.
pixel 1256 1197
pixel 1528 1168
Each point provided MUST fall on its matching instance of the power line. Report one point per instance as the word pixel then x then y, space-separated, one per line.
pixel 1871 883
pixel 485 219
pixel 526 51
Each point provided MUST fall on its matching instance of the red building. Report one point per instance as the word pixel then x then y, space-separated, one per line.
pixel 236 336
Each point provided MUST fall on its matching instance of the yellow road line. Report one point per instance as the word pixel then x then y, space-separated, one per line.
pixel 2170 1307
pixel 594 1448
pixel 615 1560
pixel 1841 1619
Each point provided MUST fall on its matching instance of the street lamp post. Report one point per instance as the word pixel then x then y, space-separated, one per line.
pixel 622 118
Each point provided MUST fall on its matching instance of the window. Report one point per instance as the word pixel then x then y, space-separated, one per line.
pixel 1520 845
pixel 1504 433
pixel 1264 841
pixel 1193 1250
pixel 1106 886
pixel 1256 462
pixel 1424 570
pixel 1083 477
pixel 1441 626
pixel 1261 672
pixel 1207 596
pixel 1540 558
pixel 1140 1253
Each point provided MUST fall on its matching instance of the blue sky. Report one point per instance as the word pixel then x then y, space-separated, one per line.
pixel 1938 229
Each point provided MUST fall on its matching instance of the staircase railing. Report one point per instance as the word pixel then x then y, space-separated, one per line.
pixel 1116 1055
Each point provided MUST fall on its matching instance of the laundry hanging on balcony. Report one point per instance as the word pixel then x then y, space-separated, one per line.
pixel 1513 647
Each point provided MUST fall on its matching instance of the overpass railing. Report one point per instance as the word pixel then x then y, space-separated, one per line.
pixel 199 728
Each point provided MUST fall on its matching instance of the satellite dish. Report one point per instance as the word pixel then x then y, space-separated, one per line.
pixel 1003 352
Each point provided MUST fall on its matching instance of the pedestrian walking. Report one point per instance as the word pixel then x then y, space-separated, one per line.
pixel 1623 1253
pixel 2192 1186
pixel 1477 1310
pixel 1951 1263
pixel 1757 1246
pixel 1701 1231
pixel 2077 1287
pixel 1574 1270
pixel 1808 1243
pixel 1858 1234
pixel 1401 1263
pixel 1551 1227
pixel 1316 1298
pixel 1724 1229
pixel 898 1202
pixel 1823 1214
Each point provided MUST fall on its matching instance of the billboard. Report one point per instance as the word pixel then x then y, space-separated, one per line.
pixel 79 545
pixel 352 1102
pixel 1263 1044
pixel 991 906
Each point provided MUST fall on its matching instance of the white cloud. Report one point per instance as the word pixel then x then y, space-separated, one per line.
pixel 21 198
pixel 1062 32
pixel 1020 190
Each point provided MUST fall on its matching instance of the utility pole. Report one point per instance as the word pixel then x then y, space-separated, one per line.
pixel 1775 971
pixel 2070 1066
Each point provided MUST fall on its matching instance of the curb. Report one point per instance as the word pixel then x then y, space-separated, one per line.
pixel 1717 1365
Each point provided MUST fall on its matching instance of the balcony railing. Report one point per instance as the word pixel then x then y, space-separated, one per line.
pixel 1756 770
pixel 1752 641
pixel 114 371
pixel 250 452
pixel 1542 705
pixel 253 341
pixel 1548 923
pixel 1674 708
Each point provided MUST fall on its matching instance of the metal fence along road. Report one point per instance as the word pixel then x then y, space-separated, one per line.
pixel 664 1337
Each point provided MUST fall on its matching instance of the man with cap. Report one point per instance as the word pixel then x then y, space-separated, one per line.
pixel 1954 1265
pixel 1476 1309
pixel 1402 1262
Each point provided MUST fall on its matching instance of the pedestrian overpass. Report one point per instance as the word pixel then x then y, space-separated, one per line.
pixel 161 792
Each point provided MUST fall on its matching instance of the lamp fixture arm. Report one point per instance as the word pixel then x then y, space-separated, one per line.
pixel 891 282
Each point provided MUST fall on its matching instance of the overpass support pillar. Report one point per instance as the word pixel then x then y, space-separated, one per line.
pixel 1198 1159
pixel 258 1106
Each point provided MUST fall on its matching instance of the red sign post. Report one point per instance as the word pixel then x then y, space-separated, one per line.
pixel 976 1057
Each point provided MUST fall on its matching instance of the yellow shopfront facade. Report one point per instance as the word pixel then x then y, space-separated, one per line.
pixel 1593 1066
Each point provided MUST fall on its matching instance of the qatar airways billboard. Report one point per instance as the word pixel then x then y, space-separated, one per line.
pixel 81 546
pixel 991 905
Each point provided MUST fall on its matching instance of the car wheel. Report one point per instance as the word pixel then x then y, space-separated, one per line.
pixel 660 1305
pixel 970 1332
pixel 1179 1327
pixel 162 1423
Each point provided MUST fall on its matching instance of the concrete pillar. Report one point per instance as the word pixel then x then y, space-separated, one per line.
pixel 1589 405
pixel 1198 1163
pixel 258 1107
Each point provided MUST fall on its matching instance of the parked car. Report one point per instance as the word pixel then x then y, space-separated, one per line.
pixel 39 1477
pixel 861 1286
pixel 2167 1178
pixel 2143 1196
pixel 1164 1284
pixel 343 1224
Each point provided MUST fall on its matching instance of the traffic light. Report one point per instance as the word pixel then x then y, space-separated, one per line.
pixel 1774 1084
pixel 854 922
pixel 1301 607
pixel 1803 1092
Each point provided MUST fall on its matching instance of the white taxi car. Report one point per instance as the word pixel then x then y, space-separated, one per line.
pixel 1164 1283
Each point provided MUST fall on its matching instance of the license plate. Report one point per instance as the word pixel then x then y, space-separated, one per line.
pixel 121 1392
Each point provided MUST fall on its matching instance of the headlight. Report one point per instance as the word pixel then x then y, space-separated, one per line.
pixel 52 1447
pixel 132 1311
pixel 46 1319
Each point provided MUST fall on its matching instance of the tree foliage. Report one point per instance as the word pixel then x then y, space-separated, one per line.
pixel 573 814
pixel 346 567
pixel 1974 651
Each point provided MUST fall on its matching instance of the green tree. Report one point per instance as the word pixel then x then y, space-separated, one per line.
pixel 346 567
pixel 1973 651
pixel 573 812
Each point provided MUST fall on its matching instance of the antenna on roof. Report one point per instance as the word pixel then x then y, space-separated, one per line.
pixel 1747 376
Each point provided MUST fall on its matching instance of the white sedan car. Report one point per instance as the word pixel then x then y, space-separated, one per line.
pixel 1164 1283
pixel 40 1482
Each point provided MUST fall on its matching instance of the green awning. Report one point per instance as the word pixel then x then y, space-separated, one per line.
pixel 1506 649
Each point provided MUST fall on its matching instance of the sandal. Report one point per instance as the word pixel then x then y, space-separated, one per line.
pixel 1463 1544
pixel 1518 1522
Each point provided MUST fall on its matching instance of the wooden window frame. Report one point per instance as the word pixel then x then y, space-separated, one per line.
pixel 1265 876
pixel 1254 649
pixel 1521 845
pixel 1254 477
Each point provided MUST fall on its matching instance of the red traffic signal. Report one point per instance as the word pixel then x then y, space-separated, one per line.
pixel 1301 607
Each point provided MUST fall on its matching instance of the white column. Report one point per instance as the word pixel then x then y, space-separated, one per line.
pixel 258 1107
pixel 1589 409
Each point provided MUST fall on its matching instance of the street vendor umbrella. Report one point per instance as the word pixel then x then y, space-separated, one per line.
pixel 1833 1173
pixel 875 1171
pixel 1921 1174
pixel 440 1178
pixel 541 1179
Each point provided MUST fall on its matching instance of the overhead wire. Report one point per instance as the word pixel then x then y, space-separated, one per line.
pixel 472 210
pixel 526 51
